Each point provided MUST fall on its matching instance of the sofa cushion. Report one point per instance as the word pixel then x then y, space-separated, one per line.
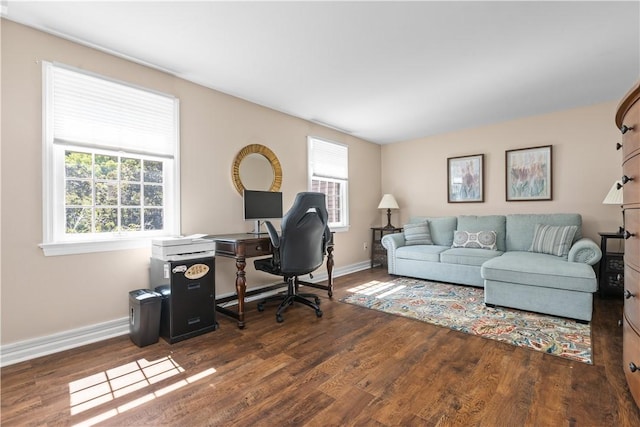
pixel 475 223
pixel 475 240
pixel 520 228
pixel 467 256
pixel 417 233
pixel 553 239
pixel 421 252
pixel 535 269
pixel 440 228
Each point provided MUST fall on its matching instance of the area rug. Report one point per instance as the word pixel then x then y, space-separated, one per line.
pixel 462 308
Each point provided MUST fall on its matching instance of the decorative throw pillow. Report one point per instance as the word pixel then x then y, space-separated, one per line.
pixel 477 240
pixel 417 234
pixel 553 239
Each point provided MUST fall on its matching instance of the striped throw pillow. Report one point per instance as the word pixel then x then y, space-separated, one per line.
pixel 553 239
pixel 417 234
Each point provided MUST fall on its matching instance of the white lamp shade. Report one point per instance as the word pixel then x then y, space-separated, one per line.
pixel 388 202
pixel 614 196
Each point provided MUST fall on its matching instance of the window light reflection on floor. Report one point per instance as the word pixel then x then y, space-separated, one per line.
pixel 103 387
pixel 376 286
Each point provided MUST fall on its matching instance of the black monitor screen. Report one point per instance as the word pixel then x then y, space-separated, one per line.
pixel 262 204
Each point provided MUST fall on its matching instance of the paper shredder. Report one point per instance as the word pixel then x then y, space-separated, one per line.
pixel 144 316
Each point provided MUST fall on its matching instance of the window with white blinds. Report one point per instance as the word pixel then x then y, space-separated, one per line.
pixel 329 174
pixel 110 163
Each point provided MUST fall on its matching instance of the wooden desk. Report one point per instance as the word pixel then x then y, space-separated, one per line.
pixel 246 245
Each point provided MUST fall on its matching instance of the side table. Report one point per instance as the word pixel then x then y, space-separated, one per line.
pixel 611 272
pixel 378 252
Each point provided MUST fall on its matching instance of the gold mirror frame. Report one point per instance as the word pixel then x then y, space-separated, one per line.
pixel 268 154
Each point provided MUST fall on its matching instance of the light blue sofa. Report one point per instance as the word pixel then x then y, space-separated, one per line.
pixel 513 275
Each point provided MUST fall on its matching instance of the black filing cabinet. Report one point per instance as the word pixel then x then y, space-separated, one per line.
pixel 188 297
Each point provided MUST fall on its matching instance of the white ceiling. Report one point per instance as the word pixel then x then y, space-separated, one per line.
pixel 382 71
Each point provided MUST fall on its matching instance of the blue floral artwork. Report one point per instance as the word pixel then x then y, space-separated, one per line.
pixel 528 174
pixel 465 179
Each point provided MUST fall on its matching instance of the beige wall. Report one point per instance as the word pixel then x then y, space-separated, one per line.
pixel 42 295
pixel 46 295
pixel 585 165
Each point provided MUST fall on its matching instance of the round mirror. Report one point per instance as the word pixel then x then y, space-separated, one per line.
pixel 256 167
pixel 256 172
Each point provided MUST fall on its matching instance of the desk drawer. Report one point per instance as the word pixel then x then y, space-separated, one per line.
pixel 248 249
pixel 226 248
pixel 261 248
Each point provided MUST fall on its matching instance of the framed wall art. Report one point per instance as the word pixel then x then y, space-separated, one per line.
pixel 528 174
pixel 465 179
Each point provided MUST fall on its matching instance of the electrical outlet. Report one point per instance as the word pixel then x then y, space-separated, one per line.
pixel 365 246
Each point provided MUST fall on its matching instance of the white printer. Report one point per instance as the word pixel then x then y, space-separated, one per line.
pixel 182 247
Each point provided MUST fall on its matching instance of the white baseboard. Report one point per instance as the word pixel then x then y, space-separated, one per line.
pixel 37 347
pixel 30 349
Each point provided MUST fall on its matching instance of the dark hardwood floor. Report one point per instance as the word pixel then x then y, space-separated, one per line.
pixel 353 366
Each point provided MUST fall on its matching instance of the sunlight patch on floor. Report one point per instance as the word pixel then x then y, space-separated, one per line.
pixel 101 388
pixel 375 286
pixel 392 291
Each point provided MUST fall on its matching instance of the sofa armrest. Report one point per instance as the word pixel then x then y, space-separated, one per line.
pixel 586 251
pixel 391 242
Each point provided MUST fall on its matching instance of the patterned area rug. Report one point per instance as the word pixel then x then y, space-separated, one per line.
pixel 462 308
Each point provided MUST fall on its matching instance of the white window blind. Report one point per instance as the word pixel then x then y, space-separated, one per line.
pixel 93 111
pixel 328 159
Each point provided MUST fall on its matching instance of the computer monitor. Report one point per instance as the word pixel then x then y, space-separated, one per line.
pixel 261 205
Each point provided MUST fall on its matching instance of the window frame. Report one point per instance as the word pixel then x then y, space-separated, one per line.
pixel 55 239
pixel 344 224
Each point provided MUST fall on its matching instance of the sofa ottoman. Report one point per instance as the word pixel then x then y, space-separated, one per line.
pixel 540 282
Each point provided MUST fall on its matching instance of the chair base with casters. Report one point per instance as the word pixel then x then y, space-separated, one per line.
pixel 292 295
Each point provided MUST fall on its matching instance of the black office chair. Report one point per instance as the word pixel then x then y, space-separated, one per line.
pixel 298 250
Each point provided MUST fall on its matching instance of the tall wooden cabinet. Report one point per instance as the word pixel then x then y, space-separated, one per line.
pixel 628 121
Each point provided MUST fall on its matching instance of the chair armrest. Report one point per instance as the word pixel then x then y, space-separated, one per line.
pixel 586 251
pixel 273 234
pixel 391 242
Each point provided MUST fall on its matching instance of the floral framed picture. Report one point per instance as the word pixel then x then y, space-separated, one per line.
pixel 528 174
pixel 465 179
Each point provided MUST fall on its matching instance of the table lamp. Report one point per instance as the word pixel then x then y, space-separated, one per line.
pixel 614 197
pixel 388 202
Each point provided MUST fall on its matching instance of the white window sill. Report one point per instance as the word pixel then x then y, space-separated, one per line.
pixel 72 248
